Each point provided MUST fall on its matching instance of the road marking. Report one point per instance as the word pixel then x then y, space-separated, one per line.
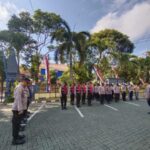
pixel 78 110
pixel 37 111
pixel 111 107
pixel 133 104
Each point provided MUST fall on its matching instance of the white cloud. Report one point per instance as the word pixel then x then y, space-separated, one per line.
pixel 135 22
pixel 6 11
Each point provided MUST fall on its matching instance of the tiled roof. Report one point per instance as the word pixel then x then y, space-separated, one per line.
pixel 59 67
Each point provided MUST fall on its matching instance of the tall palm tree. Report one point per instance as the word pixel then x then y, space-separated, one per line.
pixel 67 42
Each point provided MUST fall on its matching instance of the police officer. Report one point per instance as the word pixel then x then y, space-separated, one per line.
pixel 109 93
pixel 25 104
pixel 117 92
pixel 78 94
pixel 124 91
pixel 26 96
pixel 106 93
pixel 97 92
pixel 90 93
pixel 102 93
pixel 147 94
pixel 18 111
pixel 136 90
pixel 30 97
pixel 112 87
pixel 72 93
pixel 64 92
pixel 83 93
pixel 26 100
pixel 130 89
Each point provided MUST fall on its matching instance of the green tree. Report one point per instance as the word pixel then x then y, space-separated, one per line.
pixel 19 41
pixel 53 77
pixel 102 47
pixel 35 63
pixel 81 74
pixel 70 45
pixel 38 27
pixel 108 41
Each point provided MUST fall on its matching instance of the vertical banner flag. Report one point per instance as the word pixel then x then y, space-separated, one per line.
pixel 47 73
pixel 99 74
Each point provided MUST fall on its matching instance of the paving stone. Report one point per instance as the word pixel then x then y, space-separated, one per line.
pixel 101 129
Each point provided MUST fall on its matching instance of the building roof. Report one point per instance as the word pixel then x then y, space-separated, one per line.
pixel 58 67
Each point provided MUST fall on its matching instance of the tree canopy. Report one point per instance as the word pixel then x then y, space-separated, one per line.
pixel 110 50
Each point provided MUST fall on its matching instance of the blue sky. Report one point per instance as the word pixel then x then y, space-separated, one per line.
pixel 128 16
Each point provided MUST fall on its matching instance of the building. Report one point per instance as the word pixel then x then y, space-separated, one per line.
pixel 58 68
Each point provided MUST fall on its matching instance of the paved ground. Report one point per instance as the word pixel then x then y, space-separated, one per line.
pixel 119 126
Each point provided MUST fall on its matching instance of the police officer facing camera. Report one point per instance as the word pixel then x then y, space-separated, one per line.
pixel 64 92
pixel 72 93
pixel 78 94
pixel 18 111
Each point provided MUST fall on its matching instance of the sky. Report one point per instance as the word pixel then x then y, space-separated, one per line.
pixel 131 17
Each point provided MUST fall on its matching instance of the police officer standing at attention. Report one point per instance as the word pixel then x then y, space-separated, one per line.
pixel 102 93
pixel 147 94
pixel 124 91
pixel 130 89
pixel 83 93
pixel 18 110
pixel 64 92
pixel 25 101
pixel 97 92
pixel 90 94
pixel 136 90
pixel 107 92
pixel 30 97
pixel 78 94
pixel 72 93
pixel 117 92
pixel 112 87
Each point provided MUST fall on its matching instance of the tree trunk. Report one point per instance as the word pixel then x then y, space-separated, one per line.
pixel 71 69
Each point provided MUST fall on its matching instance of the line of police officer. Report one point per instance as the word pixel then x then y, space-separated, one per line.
pixel 102 93
pixel 22 99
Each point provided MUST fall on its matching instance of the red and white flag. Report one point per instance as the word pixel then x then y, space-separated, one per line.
pixel 47 73
pixel 99 74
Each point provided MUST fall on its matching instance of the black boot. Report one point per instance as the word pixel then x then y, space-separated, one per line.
pixel 21 136
pixel 22 129
pixel 18 141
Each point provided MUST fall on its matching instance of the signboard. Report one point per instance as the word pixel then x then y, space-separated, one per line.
pixel 115 80
pixel 59 73
pixel 43 71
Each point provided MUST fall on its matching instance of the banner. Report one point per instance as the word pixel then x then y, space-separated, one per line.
pixel 47 73
pixel 99 74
